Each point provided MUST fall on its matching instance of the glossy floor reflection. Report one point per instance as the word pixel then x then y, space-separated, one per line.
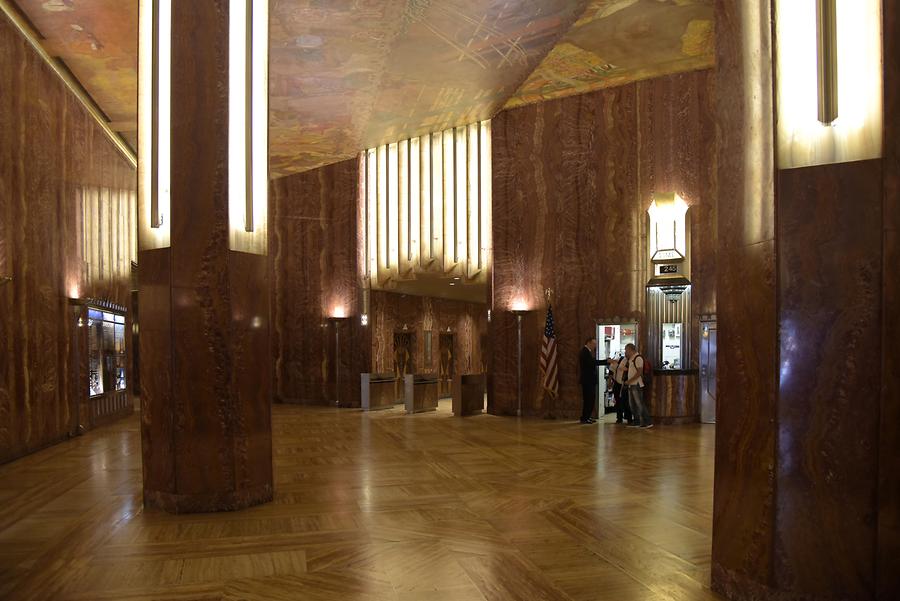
pixel 378 506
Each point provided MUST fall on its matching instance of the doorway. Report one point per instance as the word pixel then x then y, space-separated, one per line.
pixel 404 358
pixel 708 336
pixel 612 336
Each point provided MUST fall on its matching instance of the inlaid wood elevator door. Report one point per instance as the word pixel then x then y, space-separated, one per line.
pixel 447 371
pixel 404 358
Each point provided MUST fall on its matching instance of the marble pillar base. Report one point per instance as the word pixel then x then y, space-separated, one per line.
pixel 208 503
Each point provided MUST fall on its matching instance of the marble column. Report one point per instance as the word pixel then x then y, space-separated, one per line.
pixel 805 484
pixel 204 345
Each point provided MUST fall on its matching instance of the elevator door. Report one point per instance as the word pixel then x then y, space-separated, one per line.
pixel 708 372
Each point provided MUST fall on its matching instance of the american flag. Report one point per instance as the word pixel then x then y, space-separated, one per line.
pixel 549 368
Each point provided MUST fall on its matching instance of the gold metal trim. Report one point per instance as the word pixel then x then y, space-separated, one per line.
pixel 826 38
pixel 21 24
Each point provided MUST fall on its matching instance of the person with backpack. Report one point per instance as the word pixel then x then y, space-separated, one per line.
pixel 637 370
pixel 620 392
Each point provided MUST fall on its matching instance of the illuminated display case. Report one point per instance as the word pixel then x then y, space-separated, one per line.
pixel 672 341
pixel 106 352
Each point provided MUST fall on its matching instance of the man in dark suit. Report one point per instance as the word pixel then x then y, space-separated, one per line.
pixel 587 364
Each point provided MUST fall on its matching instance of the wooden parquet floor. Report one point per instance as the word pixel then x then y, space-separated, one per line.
pixel 378 506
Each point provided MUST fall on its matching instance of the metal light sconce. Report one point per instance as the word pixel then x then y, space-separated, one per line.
pixel 826 46
pixel 668 232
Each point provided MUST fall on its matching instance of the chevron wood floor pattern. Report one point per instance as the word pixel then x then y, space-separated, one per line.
pixel 378 506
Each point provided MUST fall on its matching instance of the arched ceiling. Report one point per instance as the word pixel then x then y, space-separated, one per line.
pixel 351 74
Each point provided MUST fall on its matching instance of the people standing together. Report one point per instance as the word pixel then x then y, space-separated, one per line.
pixel 631 375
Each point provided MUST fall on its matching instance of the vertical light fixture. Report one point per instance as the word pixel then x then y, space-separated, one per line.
pixel 668 231
pixel 484 196
pixel 371 199
pixel 154 123
pixel 425 207
pixel 450 232
pixel 829 81
pixel 248 125
pixel 826 46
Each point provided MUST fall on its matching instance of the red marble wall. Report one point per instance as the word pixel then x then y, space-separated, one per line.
pixel 888 541
pixel 573 179
pixel 743 504
pixel 466 321
pixel 49 149
pixel 315 270
pixel 829 316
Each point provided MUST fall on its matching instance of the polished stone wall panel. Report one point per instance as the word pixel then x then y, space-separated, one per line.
pixel 316 272
pixel 49 149
pixel 888 541
pixel 829 270
pixel 157 422
pixel 573 179
pixel 744 501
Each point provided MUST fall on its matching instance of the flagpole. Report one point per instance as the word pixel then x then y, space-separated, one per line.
pixel 519 379
pixel 519 314
pixel 548 294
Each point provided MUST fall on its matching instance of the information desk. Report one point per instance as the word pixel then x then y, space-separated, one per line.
pixel 420 392
pixel 468 394
pixel 674 397
pixel 379 391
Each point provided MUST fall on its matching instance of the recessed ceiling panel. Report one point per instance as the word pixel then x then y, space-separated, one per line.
pixel 619 41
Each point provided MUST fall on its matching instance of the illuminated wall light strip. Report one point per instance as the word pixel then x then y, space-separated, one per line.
pixel 415 172
pixel 462 195
pixel 259 119
pixel 381 162
pixel 426 220
pixel 372 212
pixel 154 122
pixel 248 175
pixel 402 179
pixel 393 207
pixel 162 121
pixel 437 196
pixel 484 196
pixel 449 158
pixel 472 203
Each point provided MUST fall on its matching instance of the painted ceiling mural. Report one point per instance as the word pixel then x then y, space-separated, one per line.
pixel 620 41
pixel 352 74
pixel 97 40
